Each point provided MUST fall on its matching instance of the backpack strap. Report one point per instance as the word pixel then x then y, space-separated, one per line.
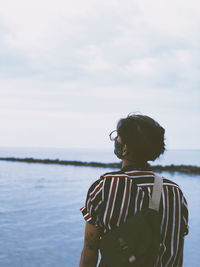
pixel 154 201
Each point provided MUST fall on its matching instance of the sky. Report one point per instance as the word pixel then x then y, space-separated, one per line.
pixel 69 70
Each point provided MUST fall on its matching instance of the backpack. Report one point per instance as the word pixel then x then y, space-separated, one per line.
pixel 136 242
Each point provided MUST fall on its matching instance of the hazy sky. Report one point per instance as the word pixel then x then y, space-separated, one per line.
pixel 70 69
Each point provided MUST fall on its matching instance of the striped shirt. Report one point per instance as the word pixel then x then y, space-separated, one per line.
pixel 116 196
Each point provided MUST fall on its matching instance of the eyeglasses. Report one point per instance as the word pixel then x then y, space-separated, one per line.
pixel 113 135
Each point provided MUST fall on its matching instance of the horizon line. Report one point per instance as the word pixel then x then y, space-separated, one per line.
pixel 90 148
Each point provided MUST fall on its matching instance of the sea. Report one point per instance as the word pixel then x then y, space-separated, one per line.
pixel 40 221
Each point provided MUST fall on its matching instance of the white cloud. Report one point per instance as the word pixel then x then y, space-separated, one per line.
pixel 66 40
pixel 102 59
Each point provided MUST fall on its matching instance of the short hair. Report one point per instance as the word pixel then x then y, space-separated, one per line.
pixel 143 136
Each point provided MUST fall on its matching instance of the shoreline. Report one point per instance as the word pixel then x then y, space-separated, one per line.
pixel 189 169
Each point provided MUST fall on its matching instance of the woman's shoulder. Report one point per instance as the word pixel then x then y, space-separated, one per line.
pixel 109 178
pixel 113 174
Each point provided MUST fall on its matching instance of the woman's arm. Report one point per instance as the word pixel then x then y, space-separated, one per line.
pixel 89 255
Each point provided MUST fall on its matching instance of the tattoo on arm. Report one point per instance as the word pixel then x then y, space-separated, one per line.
pixel 92 241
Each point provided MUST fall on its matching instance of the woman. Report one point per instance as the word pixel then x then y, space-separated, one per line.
pixel 116 196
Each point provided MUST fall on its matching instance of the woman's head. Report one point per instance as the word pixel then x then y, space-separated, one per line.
pixel 143 136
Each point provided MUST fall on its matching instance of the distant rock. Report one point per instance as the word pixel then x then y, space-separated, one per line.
pixel 169 168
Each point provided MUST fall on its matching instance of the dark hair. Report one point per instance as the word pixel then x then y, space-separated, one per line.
pixel 143 136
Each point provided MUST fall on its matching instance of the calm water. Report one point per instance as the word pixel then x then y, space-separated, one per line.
pixel 40 221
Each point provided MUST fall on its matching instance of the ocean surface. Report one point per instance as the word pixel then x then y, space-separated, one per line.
pixel 40 221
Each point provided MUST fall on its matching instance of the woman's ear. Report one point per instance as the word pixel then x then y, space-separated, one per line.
pixel 125 150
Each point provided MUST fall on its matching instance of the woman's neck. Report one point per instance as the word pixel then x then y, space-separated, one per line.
pixel 137 165
pixel 126 162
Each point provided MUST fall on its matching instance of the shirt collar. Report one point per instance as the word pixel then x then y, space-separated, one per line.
pixel 140 167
